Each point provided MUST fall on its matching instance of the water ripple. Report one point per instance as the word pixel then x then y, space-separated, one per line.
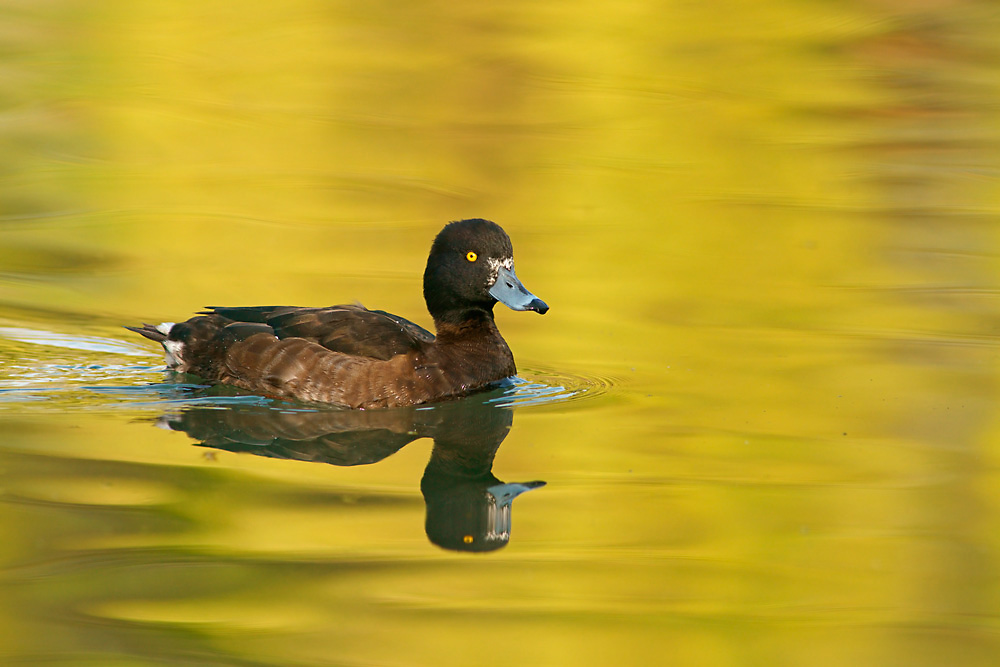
pixel 71 341
pixel 548 388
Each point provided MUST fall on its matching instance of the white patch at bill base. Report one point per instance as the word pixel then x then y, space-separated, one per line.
pixel 495 264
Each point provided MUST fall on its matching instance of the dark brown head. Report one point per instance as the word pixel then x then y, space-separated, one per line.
pixel 470 268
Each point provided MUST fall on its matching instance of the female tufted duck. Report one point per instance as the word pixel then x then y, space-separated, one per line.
pixel 359 358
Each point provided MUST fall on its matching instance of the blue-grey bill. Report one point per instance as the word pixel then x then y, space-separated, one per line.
pixel 505 493
pixel 509 291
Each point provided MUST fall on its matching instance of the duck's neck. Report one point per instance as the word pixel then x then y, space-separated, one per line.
pixel 459 325
pixel 476 345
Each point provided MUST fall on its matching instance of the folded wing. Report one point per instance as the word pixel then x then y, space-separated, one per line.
pixel 350 329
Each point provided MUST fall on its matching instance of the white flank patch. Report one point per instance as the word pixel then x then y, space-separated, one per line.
pixel 175 352
pixel 174 349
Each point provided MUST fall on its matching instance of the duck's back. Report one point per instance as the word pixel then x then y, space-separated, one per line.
pixel 350 329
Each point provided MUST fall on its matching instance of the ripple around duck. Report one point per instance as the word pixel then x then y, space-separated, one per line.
pixel 538 387
pixel 72 341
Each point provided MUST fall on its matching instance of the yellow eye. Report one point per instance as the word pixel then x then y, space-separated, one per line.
pixel 471 256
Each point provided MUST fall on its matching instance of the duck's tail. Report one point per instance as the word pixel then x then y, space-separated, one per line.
pixel 160 334
pixel 153 332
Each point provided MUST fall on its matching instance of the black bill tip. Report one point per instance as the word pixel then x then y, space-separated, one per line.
pixel 538 306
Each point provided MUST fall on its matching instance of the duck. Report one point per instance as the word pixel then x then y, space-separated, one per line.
pixel 353 357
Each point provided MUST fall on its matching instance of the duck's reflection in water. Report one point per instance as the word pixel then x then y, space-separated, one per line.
pixel 468 508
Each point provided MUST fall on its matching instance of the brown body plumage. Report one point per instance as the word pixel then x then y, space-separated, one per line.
pixel 359 358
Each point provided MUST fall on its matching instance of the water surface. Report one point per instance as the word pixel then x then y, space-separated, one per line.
pixel 763 403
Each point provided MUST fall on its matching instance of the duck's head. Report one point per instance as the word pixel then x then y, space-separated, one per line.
pixel 471 267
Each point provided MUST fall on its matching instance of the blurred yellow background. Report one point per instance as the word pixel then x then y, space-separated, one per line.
pixel 768 230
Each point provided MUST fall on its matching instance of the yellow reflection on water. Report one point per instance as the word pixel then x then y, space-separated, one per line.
pixel 767 229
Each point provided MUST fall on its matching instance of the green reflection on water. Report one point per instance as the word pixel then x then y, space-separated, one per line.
pixel 767 235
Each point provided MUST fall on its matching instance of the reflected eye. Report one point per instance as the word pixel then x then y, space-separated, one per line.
pixel 471 256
